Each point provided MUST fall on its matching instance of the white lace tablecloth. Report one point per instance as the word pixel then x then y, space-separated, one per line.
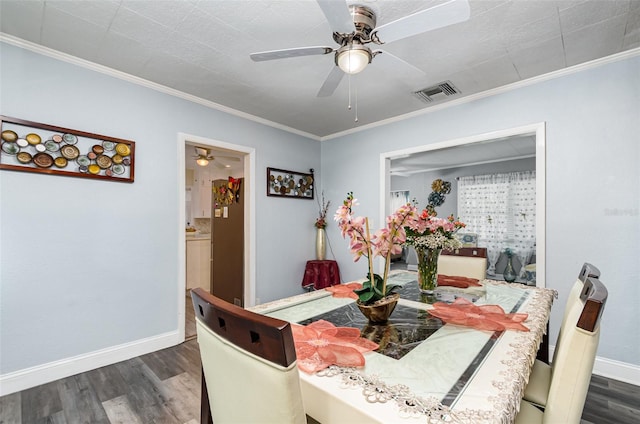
pixel 412 389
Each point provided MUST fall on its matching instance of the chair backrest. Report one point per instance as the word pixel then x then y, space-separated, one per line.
pixel 573 365
pixel 463 265
pixel 587 271
pixel 249 364
pixel 474 252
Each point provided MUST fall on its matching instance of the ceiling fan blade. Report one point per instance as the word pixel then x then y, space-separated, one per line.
pixel 230 158
pixel 400 68
pixel 338 15
pixel 286 53
pixel 331 83
pixel 219 165
pixel 444 14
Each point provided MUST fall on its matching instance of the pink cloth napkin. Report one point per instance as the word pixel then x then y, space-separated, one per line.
pixel 321 344
pixel 344 290
pixel 455 281
pixel 485 317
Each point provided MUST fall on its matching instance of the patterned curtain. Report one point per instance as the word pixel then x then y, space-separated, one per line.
pixel 501 209
pixel 397 199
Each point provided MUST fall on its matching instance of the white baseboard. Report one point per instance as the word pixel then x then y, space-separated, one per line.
pixel 40 374
pixel 617 370
pixel 610 368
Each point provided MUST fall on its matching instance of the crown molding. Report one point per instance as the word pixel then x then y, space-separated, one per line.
pixel 55 54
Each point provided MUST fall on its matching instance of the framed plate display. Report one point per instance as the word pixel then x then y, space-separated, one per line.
pixel 33 147
pixel 283 183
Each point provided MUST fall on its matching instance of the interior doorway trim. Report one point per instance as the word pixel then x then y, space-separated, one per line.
pixel 249 165
pixel 537 129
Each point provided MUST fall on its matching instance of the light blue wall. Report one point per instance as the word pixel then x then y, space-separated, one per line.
pixel 81 260
pixel 593 181
pixel 86 264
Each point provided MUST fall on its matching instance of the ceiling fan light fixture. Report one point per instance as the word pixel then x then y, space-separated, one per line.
pixel 202 161
pixel 353 58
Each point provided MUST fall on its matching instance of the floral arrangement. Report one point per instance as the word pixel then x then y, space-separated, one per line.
pixel 226 193
pixel 385 242
pixel 428 232
pixel 321 222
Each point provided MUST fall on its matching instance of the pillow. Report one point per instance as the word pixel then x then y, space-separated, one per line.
pixel 468 239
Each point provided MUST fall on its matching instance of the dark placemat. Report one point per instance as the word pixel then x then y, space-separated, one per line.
pixel 405 330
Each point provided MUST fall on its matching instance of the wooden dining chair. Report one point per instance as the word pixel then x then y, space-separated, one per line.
pixel 540 377
pixel 464 262
pixel 250 373
pixel 572 367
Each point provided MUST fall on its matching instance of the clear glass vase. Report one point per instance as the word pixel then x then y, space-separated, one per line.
pixel 428 269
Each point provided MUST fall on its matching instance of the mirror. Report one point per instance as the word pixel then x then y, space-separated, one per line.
pixel 519 150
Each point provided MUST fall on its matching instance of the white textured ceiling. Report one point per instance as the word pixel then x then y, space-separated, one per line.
pixel 202 48
pixel 221 161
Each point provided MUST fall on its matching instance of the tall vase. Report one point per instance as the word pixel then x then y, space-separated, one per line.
pixel 321 249
pixel 509 273
pixel 428 269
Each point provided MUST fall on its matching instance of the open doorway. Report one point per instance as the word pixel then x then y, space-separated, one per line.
pixel 512 144
pixel 203 164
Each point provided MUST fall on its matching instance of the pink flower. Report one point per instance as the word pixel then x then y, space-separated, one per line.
pixel 427 231
pixel 389 239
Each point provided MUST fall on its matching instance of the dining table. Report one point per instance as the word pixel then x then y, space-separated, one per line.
pixel 425 370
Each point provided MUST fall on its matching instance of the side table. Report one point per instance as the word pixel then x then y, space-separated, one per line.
pixel 320 274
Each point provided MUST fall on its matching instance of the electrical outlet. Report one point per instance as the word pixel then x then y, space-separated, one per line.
pixel 237 301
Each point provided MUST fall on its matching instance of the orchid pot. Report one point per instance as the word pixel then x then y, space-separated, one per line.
pixel 379 311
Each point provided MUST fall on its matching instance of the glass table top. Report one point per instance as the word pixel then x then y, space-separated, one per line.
pixel 406 329
pixel 416 349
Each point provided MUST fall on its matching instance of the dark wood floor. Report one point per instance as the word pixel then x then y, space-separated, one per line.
pixel 611 401
pixel 164 387
pixel 161 387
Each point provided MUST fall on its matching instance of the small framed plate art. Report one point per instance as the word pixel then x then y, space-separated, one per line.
pixel 283 183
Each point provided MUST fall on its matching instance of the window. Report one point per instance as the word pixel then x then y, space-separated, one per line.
pixel 501 209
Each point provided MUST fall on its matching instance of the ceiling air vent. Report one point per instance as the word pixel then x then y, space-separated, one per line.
pixel 437 92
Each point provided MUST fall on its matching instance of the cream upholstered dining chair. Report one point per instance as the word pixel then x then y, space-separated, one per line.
pixel 540 377
pixel 573 365
pixel 464 262
pixel 250 374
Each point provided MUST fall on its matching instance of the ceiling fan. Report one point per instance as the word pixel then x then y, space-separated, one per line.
pixel 354 26
pixel 204 156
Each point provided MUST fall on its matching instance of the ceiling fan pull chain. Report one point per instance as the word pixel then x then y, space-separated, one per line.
pixel 349 105
pixel 355 88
